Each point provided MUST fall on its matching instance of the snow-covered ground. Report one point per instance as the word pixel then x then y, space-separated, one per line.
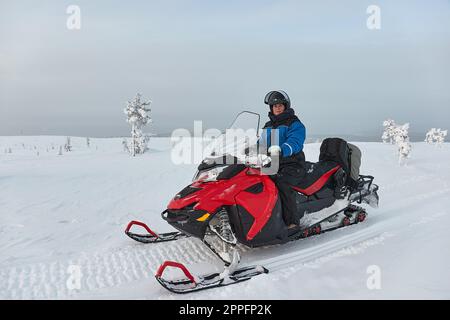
pixel 60 213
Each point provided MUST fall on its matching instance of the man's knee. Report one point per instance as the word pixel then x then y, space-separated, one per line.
pixel 282 183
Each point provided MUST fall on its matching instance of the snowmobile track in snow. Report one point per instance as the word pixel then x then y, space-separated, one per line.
pixel 111 269
pixel 132 263
pixel 125 265
pixel 122 266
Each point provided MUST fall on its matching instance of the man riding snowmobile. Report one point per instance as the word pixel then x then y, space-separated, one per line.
pixel 290 133
pixel 235 205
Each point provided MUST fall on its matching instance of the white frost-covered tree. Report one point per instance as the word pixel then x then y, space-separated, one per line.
pixel 138 115
pixel 68 145
pixel 388 132
pixel 436 136
pixel 401 139
pixel 398 135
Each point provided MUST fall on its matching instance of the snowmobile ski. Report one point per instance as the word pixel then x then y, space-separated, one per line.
pixel 152 237
pixel 213 280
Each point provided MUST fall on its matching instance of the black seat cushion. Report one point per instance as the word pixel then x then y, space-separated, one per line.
pixel 314 171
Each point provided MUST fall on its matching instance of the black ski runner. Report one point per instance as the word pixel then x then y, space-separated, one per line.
pixel 152 237
pixel 196 283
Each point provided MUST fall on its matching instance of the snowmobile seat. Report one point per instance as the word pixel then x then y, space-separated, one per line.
pixel 317 175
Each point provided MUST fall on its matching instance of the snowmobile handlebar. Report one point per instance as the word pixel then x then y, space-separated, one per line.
pixel 258 161
pixel 254 161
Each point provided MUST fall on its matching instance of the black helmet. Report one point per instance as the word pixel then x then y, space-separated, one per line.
pixel 274 97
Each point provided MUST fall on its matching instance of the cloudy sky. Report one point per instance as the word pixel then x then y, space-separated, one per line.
pixel 207 60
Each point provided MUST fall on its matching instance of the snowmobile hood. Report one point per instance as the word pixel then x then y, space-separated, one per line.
pixel 211 196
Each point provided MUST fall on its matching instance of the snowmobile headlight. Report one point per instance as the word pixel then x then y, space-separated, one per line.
pixel 209 175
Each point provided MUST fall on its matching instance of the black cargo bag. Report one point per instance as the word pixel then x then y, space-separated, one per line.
pixel 336 150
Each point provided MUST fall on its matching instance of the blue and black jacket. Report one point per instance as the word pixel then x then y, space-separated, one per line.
pixel 290 135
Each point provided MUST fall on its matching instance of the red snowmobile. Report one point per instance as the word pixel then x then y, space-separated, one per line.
pixel 230 203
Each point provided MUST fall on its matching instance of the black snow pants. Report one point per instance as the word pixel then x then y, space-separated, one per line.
pixel 284 179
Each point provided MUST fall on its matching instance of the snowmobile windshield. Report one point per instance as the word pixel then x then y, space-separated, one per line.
pixel 242 134
pixel 230 147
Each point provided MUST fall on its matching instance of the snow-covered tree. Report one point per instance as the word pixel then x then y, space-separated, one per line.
pixel 441 137
pixel 398 135
pixel 401 139
pixel 436 136
pixel 404 150
pixel 388 132
pixel 68 145
pixel 429 137
pixel 138 116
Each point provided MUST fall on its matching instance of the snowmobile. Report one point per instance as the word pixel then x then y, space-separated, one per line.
pixel 231 203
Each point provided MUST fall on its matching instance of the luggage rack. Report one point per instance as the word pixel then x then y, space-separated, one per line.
pixel 362 190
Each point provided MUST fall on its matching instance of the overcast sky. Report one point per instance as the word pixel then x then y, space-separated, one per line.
pixel 207 60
